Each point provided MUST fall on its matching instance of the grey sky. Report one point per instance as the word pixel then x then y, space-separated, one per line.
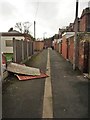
pixel 49 14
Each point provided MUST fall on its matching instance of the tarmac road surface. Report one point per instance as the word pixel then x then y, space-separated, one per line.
pixel 67 95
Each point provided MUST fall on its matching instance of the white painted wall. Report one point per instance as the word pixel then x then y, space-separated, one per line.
pixel 8 49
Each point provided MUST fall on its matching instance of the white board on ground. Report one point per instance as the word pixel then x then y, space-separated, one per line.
pixel 22 69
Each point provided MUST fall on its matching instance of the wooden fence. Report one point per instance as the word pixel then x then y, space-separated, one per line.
pixel 22 49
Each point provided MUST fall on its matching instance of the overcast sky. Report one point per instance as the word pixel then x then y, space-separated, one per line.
pixel 50 15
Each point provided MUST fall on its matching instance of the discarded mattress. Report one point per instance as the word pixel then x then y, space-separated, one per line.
pixel 22 69
pixel 24 77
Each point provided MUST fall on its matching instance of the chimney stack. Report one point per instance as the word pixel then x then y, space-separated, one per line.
pixel 76 9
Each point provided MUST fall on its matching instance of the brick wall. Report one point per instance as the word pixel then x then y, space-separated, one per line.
pixel 81 56
pixel 85 20
pixel 84 52
pixel 71 49
pixel 64 47
pixel 88 23
pixel 67 50
pixel 48 43
pixel 83 23
pixel 38 45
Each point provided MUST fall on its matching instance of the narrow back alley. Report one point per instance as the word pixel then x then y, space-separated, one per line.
pixel 66 97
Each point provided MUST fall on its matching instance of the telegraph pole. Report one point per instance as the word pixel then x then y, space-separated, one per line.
pixel 34 29
pixel 44 35
pixel 75 56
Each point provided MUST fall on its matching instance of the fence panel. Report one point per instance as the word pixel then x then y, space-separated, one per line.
pixel 25 49
pixel 18 51
pixel 30 48
pixel 22 50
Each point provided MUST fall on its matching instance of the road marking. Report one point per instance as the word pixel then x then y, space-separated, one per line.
pixel 47 102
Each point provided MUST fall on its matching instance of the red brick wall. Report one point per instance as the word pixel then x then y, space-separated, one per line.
pixel 64 47
pixel 48 43
pixel 71 49
pixel 88 23
pixel 38 45
pixel 83 23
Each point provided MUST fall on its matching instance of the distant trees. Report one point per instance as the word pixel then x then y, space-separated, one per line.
pixel 23 27
pixel 19 26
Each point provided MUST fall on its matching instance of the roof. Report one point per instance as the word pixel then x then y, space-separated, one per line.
pixel 11 34
pixel 85 11
pixel 26 36
pixel 59 40
pixel 68 34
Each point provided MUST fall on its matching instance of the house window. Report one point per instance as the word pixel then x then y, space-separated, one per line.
pixel 9 43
